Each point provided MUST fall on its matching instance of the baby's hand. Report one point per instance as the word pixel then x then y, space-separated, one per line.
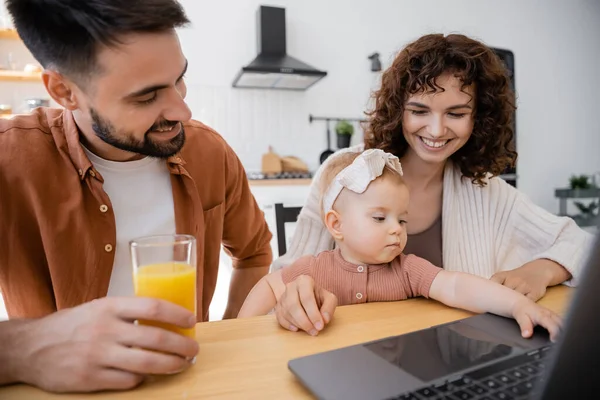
pixel 528 314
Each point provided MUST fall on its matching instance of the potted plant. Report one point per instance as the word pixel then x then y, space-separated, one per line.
pixel 580 182
pixel 581 187
pixel 344 131
pixel 587 212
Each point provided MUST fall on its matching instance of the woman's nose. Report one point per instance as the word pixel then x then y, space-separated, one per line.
pixel 435 128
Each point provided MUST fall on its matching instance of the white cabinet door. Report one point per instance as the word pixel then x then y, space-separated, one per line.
pixel 289 196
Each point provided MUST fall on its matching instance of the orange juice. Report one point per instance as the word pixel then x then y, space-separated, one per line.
pixel 174 282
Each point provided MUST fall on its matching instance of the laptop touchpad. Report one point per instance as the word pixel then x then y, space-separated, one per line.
pixel 433 353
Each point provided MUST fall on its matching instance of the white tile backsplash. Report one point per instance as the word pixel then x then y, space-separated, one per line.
pixel 252 120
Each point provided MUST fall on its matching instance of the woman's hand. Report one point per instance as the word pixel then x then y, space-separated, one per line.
pixel 533 278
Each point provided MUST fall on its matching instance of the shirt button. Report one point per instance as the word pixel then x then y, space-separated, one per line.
pixel 92 174
pixel 108 248
pixel 359 296
pixel 103 208
pixel 360 268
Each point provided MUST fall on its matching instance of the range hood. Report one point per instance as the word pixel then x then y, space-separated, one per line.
pixel 273 68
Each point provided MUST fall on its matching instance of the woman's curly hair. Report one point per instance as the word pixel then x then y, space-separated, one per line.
pixel 490 149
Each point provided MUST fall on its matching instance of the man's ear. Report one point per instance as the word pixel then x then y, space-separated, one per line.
pixel 61 89
pixel 333 222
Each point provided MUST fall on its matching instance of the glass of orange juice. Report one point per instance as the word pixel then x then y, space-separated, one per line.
pixel 164 267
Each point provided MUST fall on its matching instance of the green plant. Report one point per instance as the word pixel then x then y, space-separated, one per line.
pixel 344 127
pixel 589 209
pixel 580 182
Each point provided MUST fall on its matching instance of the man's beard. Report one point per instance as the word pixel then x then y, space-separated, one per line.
pixel 107 132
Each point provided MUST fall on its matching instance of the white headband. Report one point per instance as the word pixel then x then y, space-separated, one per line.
pixel 356 177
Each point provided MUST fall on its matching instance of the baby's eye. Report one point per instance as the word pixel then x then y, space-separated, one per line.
pixel 402 221
pixel 379 218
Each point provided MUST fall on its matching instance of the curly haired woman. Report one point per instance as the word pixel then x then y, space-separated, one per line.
pixel 445 108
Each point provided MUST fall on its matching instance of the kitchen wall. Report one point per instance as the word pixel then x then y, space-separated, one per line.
pixel 556 45
pixel 14 55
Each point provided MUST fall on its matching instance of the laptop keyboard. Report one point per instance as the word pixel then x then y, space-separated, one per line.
pixel 512 379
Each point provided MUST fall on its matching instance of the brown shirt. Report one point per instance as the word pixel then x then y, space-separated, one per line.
pixel 427 244
pixel 57 242
pixel 405 277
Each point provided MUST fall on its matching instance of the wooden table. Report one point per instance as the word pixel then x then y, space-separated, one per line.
pixel 247 358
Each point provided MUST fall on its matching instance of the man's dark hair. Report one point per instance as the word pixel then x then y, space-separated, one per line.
pixel 65 34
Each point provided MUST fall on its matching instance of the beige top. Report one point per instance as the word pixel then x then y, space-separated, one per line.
pixel 405 277
pixel 427 244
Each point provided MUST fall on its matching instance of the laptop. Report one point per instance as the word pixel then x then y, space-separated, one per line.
pixel 482 357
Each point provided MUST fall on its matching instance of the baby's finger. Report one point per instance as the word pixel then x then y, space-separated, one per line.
pixel 548 321
pixel 558 319
pixel 328 304
pixel 525 324
pixel 309 313
pixel 558 322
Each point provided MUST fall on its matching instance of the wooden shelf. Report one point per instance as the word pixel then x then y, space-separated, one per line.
pixel 20 76
pixel 9 34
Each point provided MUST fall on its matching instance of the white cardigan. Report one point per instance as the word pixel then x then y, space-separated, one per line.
pixel 484 229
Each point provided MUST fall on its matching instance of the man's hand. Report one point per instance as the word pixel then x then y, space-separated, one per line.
pixel 304 306
pixel 96 346
pixel 533 278
pixel 529 314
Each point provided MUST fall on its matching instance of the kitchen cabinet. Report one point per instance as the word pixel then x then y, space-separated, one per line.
pixel 20 73
pixel 9 34
pixel 20 76
pixel 290 193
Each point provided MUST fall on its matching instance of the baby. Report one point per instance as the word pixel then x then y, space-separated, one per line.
pixel 365 209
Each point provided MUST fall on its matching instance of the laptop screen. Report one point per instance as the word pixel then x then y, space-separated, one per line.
pixel 440 351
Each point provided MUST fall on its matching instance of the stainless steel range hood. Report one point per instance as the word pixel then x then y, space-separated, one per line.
pixel 273 68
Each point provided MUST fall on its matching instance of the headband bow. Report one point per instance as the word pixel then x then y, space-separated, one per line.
pixel 367 167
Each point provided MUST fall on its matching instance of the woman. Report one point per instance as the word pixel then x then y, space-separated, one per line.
pixel 445 109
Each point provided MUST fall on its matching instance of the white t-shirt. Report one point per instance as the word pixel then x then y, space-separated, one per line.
pixel 142 200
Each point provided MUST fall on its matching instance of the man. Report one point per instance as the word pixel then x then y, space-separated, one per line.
pixel 121 160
